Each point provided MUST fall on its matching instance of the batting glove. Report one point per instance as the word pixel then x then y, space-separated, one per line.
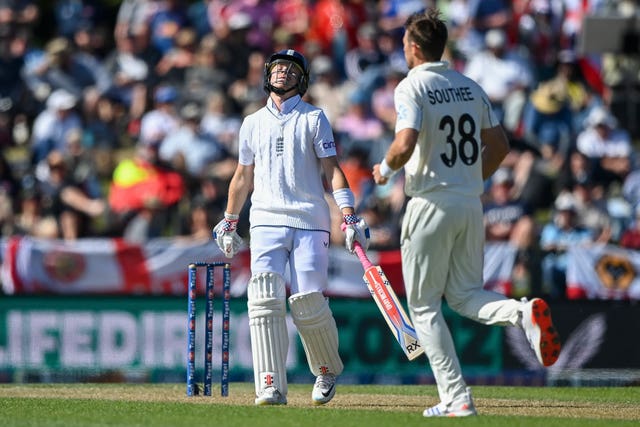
pixel 226 236
pixel 355 230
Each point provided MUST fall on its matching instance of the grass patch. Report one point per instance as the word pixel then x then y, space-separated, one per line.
pixel 71 405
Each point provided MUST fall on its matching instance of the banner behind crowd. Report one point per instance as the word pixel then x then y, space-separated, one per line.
pixel 159 267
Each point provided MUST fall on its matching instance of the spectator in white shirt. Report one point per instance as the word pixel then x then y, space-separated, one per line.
pixel 607 146
pixel 504 75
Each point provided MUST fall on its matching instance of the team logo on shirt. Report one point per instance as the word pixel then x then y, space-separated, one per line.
pixel 279 146
pixel 328 145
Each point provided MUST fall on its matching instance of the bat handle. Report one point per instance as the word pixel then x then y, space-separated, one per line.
pixel 362 255
pixel 360 252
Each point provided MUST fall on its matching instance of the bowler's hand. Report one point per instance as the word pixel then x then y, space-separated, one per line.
pixel 379 179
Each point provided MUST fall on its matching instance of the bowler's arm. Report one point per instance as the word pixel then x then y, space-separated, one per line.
pixel 495 147
pixel 398 154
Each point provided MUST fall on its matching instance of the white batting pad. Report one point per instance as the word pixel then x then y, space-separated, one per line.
pixel 317 328
pixel 266 303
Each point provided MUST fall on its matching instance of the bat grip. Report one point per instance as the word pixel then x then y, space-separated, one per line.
pixel 362 255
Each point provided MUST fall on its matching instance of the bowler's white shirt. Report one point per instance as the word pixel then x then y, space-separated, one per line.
pixel 449 110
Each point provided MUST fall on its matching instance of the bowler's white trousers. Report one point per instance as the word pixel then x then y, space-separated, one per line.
pixel 442 243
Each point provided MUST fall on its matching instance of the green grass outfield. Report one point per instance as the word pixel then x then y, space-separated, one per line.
pixel 72 405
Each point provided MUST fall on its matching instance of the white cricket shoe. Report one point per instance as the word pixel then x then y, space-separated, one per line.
pixel 538 327
pixel 461 407
pixel 324 389
pixel 270 396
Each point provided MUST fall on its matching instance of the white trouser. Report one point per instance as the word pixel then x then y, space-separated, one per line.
pixel 306 252
pixel 442 245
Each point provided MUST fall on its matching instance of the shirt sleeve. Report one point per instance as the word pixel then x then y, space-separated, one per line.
pixel 245 152
pixel 324 142
pixel 408 110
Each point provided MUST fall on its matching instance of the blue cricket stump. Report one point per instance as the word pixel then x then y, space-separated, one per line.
pixel 192 387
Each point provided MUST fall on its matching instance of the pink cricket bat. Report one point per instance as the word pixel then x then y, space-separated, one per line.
pixel 390 306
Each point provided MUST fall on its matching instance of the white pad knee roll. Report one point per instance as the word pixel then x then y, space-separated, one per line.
pixel 317 328
pixel 266 304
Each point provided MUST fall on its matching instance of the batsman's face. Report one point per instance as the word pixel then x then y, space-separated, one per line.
pixel 284 75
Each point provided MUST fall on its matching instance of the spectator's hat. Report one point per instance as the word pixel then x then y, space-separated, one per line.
pixel 502 176
pixel 321 65
pixel 549 97
pixel 191 111
pixel 495 38
pixel 239 21
pixel 368 30
pixel 567 56
pixel 60 99
pixel 600 116
pixel 565 202
pixel 186 37
pixel 133 68
pixel 57 48
pixel 166 94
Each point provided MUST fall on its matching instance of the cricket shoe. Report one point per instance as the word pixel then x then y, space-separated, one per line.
pixel 324 389
pixel 461 407
pixel 540 332
pixel 270 396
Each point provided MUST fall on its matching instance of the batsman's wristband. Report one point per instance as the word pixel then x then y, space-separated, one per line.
pixel 351 219
pixel 344 198
pixel 230 222
pixel 385 169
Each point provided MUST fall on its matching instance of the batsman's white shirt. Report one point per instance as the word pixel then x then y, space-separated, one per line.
pixel 449 110
pixel 285 148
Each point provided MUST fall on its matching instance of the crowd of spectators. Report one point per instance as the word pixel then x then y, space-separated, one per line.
pixel 121 118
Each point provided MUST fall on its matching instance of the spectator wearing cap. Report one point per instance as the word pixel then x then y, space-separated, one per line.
pixel 607 146
pixel 556 237
pixel 206 75
pixel 325 88
pixel 79 73
pixel 248 92
pixel 508 219
pixel 504 75
pixel 365 64
pixel 168 18
pixel 177 60
pixel 559 104
pixel 188 148
pixel 262 20
pixel 65 201
pixel 53 124
pixel 221 122
pixel 162 119
pixel 592 211
pixel 130 74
